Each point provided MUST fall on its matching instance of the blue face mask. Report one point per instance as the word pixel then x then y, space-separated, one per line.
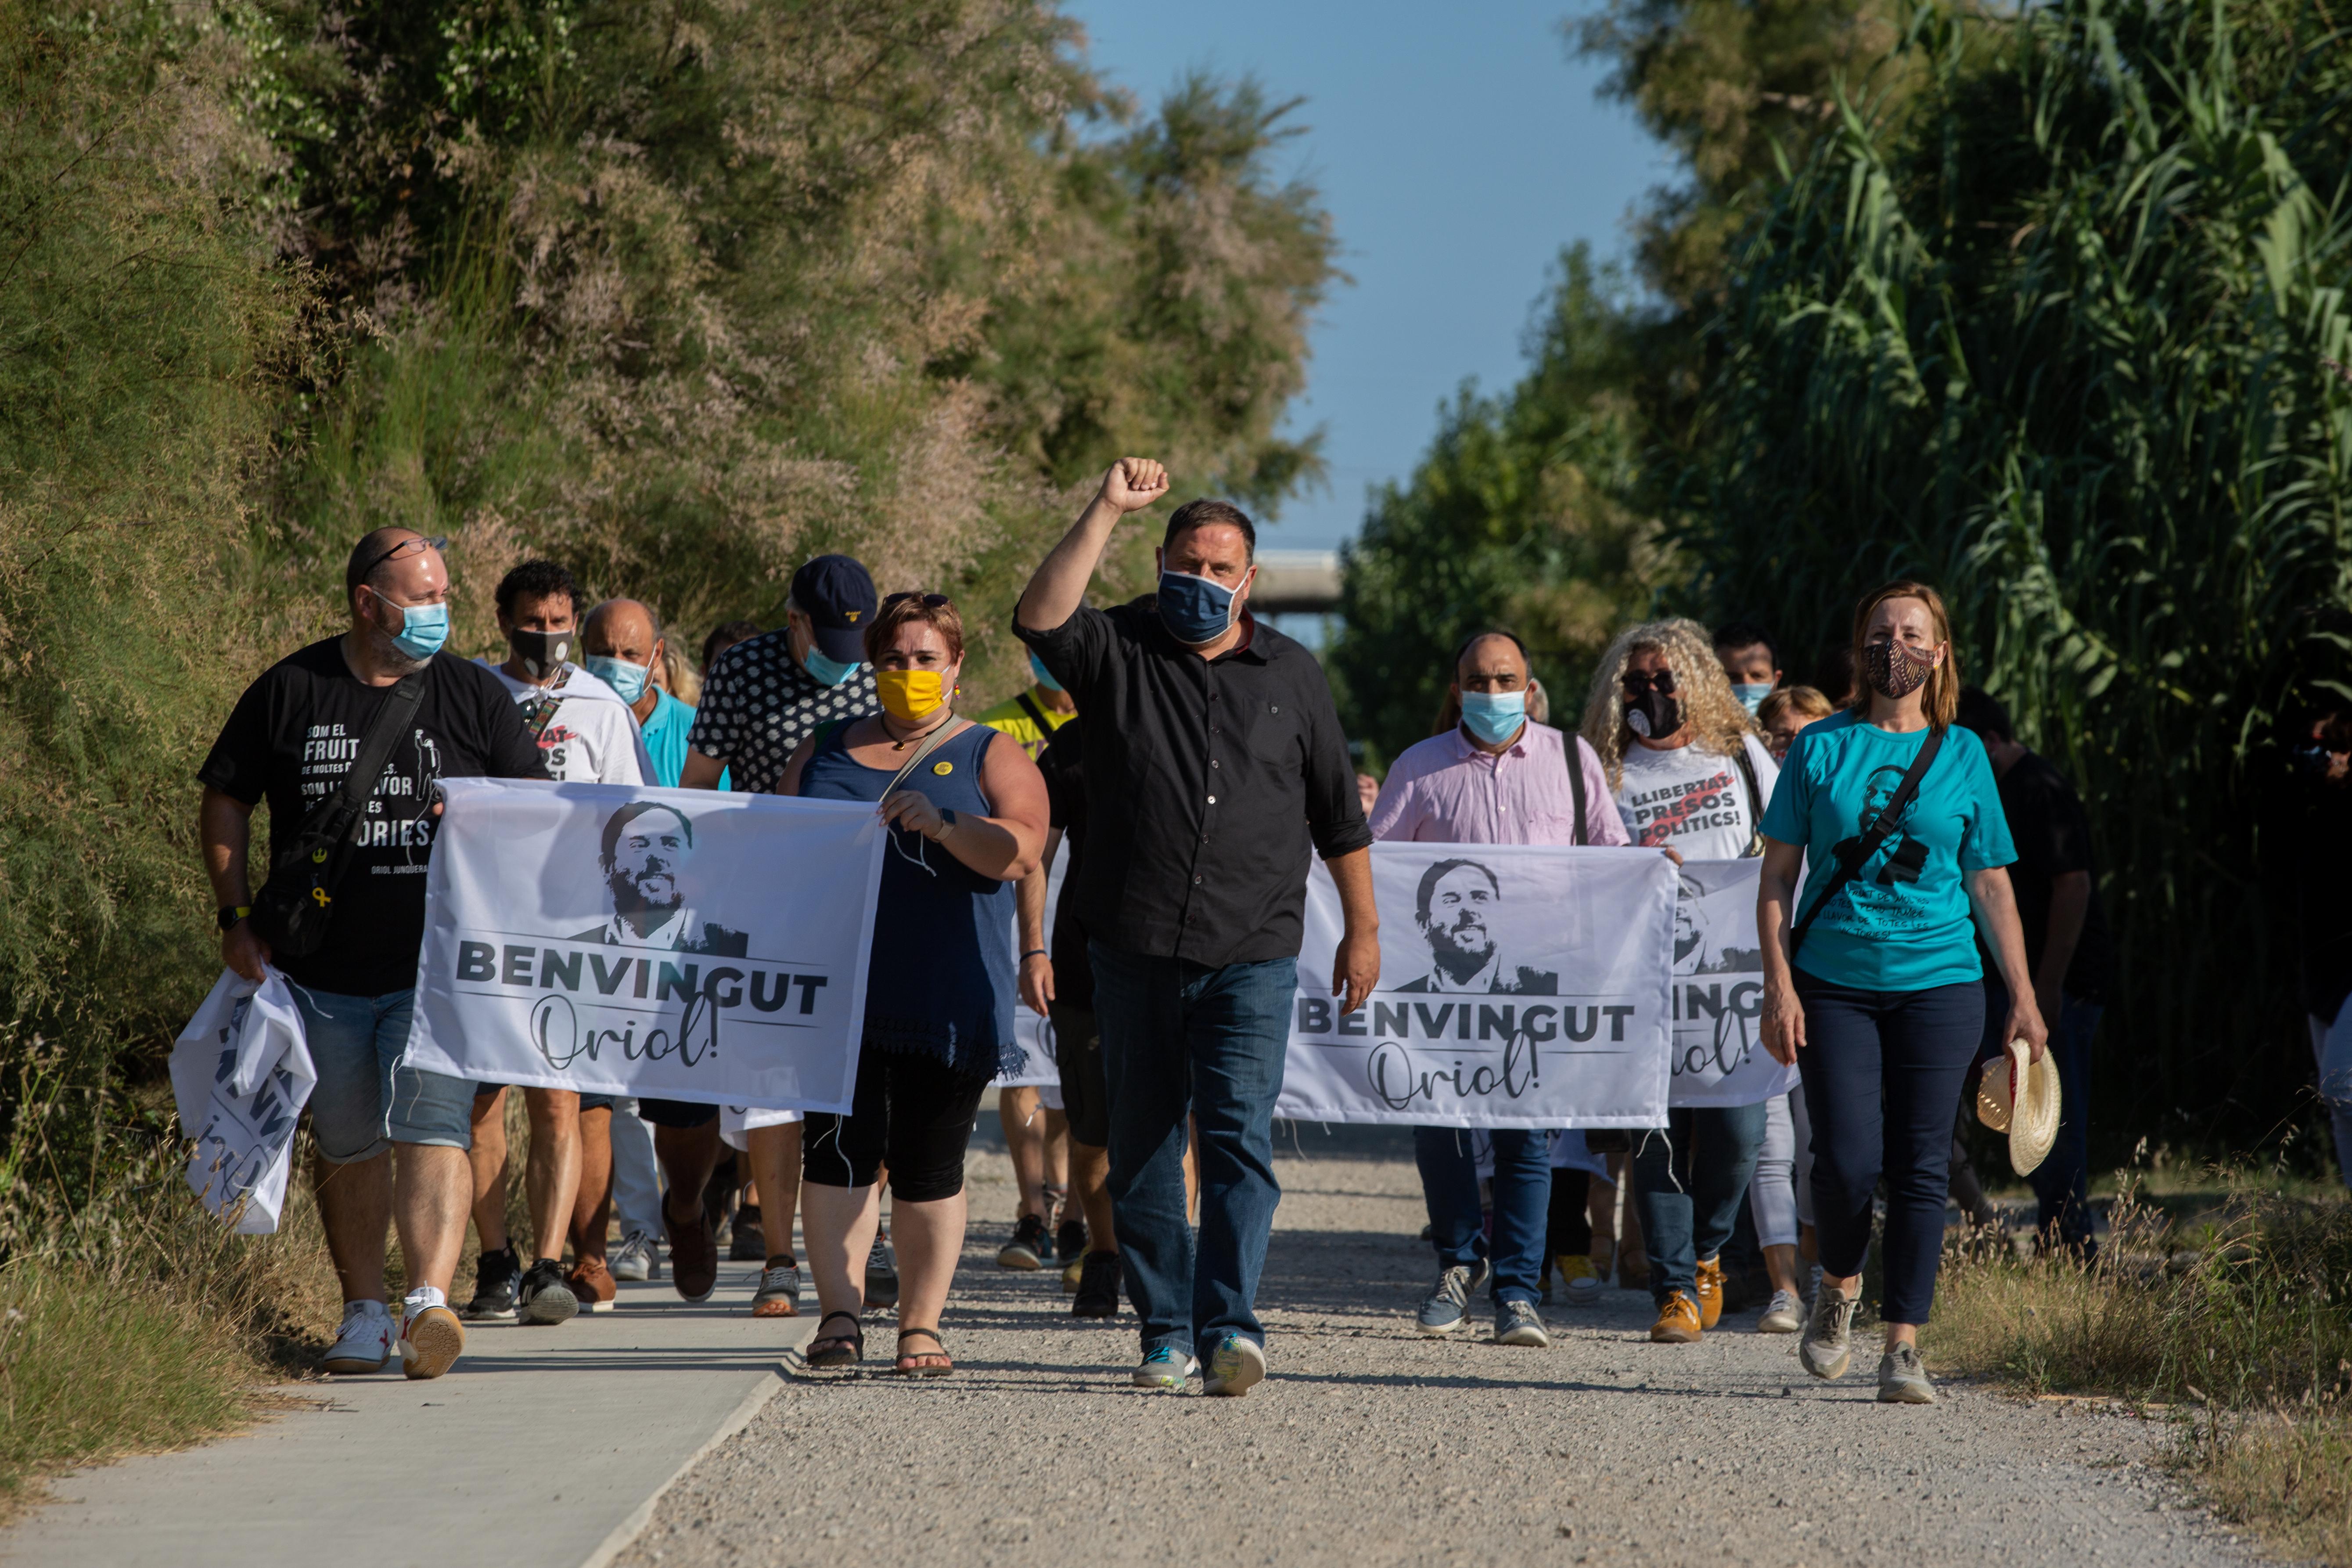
pixel 423 628
pixel 1494 717
pixel 1044 677
pixel 1196 610
pixel 1751 697
pixel 628 680
pixel 828 671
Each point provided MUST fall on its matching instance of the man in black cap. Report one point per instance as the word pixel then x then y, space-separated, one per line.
pixel 762 698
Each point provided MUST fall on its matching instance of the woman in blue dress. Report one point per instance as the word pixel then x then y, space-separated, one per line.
pixel 1874 988
pixel 966 812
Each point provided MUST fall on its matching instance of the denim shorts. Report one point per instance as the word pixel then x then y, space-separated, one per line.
pixel 366 1100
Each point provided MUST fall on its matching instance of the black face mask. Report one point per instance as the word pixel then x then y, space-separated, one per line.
pixel 1651 709
pixel 542 653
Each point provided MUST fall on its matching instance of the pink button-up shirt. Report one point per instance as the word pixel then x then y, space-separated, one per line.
pixel 1445 790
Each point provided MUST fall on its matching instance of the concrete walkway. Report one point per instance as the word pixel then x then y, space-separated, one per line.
pixel 542 1449
pixel 1370 1445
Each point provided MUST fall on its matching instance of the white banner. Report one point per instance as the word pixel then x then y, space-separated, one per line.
pixel 1719 1056
pixel 1035 1030
pixel 1521 987
pixel 676 944
pixel 241 1073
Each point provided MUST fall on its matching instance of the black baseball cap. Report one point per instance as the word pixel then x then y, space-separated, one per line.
pixel 837 594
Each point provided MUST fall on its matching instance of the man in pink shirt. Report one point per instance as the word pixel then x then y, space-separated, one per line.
pixel 1496 777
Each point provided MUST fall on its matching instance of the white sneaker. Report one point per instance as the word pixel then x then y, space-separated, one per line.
pixel 636 1258
pixel 1786 1314
pixel 365 1341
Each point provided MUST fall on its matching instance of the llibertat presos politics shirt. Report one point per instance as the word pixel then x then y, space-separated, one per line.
pixel 293 736
pixel 1693 801
pixel 1903 924
pixel 1210 784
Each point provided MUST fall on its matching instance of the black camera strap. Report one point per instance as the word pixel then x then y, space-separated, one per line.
pixel 1854 854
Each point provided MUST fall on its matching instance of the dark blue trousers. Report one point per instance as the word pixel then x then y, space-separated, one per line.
pixel 1884 1071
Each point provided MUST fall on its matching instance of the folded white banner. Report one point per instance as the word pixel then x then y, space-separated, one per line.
pixel 1521 987
pixel 1719 1056
pixel 241 1074
pixel 676 944
pixel 1035 1030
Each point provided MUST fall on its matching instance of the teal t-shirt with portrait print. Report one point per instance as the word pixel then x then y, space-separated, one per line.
pixel 1885 931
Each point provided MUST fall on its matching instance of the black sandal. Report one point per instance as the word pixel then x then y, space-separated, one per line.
pixel 905 1354
pixel 846 1350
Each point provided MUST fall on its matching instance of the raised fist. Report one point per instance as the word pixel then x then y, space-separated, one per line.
pixel 1134 483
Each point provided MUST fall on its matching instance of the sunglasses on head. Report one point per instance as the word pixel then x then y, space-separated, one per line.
pixel 930 601
pixel 1646 680
pixel 416 542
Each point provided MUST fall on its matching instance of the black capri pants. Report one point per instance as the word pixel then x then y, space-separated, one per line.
pixel 913 1113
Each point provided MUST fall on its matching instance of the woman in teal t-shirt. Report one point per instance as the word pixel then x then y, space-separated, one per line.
pixel 1882 1007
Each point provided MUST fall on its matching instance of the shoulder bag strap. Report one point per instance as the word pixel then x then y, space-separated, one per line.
pixel 1036 717
pixel 333 818
pixel 1755 799
pixel 543 706
pixel 1854 853
pixel 1575 749
pixel 938 737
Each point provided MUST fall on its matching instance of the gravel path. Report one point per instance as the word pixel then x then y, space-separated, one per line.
pixel 1370 1445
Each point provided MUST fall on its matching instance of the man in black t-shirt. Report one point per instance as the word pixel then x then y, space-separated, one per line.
pixel 1058 981
pixel 2067 942
pixel 293 737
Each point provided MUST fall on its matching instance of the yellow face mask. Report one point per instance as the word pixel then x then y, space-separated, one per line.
pixel 910 696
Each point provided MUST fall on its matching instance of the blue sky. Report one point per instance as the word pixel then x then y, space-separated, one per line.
pixel 1457 147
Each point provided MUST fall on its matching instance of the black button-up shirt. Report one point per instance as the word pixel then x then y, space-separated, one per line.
pixel 1208 781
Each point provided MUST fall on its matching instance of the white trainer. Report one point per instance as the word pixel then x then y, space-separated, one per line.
pixel 636 1258
pixel 365 1341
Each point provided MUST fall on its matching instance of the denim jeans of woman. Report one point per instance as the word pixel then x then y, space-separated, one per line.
pixel 1689 1177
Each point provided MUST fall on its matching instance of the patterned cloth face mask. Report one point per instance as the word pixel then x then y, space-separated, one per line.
pixel 1893 670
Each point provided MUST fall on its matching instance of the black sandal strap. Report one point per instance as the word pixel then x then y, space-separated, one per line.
pixel 930 1334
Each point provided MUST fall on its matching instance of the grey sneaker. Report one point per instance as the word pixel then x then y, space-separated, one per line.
pixel 1902 1380
pixel 1448 1306
pixel 1163 1368
pixel 636 1257
pixel 881 1274
pixel 1828 1347
pixel 544 1299
pixel 1234 1368
pixel 1785 1315
pixel 1519 1324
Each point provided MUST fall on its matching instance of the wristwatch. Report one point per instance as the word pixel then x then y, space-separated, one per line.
pixel 228 915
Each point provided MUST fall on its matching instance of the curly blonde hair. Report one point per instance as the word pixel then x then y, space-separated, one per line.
pixel 1717 721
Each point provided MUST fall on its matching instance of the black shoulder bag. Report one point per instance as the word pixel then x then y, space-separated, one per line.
pixel 293 908
pixel 1852 854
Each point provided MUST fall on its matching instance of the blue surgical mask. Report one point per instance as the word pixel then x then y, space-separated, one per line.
pixel 1751 697
pixel 423 628
pixel 628 680
pixel 827 672
pixel 1195 610
pixel 1044 677
pixel 1494 717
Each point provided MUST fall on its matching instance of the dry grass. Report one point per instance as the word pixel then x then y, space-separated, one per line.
pixel 2238 1324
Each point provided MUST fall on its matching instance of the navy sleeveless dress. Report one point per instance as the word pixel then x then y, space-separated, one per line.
pixel 941 984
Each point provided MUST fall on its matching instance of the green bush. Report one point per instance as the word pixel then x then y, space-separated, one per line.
pixel 2056 337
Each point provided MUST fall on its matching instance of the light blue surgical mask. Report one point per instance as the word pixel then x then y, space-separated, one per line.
pixel 827 672
pixel 628 680
pixel 1494 717
pixel 1044 677
pixel 423 628
pixel 1195 610
pixel 1752 697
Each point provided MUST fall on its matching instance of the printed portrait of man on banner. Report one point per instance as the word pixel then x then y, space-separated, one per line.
pixel 647 847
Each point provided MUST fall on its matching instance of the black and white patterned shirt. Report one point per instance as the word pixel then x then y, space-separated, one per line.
pixel 758 703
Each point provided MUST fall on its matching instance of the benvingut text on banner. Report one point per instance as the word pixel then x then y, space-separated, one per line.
pixel 1719 1057
pixel 1521 985
pixel 678 944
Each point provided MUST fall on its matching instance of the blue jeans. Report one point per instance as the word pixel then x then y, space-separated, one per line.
pixel 1883 1074
pixel 1449 1183
pixel 1180 1037
pixel 366 1100
pixel 2061 1182
pixel 1688 1178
